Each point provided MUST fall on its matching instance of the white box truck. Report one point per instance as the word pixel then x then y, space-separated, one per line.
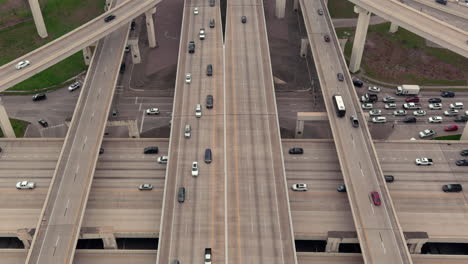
pixel 407 89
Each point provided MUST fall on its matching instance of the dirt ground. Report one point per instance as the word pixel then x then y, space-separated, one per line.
pixel 398 62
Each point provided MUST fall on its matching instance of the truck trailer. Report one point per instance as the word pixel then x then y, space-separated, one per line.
pixel 408 89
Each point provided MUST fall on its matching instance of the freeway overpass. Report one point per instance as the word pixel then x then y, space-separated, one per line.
pixel 378 229
pixel 65 46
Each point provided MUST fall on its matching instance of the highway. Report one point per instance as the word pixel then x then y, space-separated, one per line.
pixel 259 226
pixel 422 24
pixel 61 217
pixel 72 42
pixel 188 228
pixel 379 232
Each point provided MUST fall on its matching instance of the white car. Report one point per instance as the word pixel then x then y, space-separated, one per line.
pixel 163 159
pixel 198 111
pixel 367 106
pixel 20 65
pixel 195 11
pixel 152 111
pixel 374 89
pixel 375 112
pixel 411 106
pixel 389 99
pixel 435 119
pixel 145 187
pixel 202 33
pixel 424 162
pixel 399 113
pixel 379 119
pixel 436 106
pixel 390 106
pixel 419 113
pixel 452 112
pixel 188 78
pixel 426 133
pixel 25 185
pixel 457 105
pixel 74 86
pixel 299 187
pixel 195 169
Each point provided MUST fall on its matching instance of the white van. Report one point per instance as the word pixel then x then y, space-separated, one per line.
pixel 457 105
pixel 198 112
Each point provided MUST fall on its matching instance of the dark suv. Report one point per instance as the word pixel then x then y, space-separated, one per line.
pixel 452 188
pixel 43 123
pixel 39 97
pixel 209 70
pixel 409 119
pixel 435 100
pixel 151 150
pixel 447 94
pixel 191 47
pixel 109 18
pixel 209 101
pixel 296 151
pixel 212 23
pixel 181 195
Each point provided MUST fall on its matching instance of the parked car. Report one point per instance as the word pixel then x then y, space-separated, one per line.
pixel 374 89
pixel 22 64
pixel 299 187
pixel 462 162
pixel 435 119
pixel 389 99
pixel 74 86
pixel 367 106
pixel 152 111
pixel 25 185
pixel 413 99
pixel 376 198
pixel 145 187
pixel 447 94
pixel 419 113
pixel 435 106
pixel 390 106
pixel 379 119
pixel 43 123
pixel 375 112
pixel 434 100
pixel 409 119
pixel 452 188
pixel 295 150
pixel 426 133
pixel 452 112
pixel 399 113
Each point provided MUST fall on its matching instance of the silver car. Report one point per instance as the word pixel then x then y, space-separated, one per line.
pixel 22 64
pixel 426 133
pixel 399 113
pixel 367 106
pixel 375 112
pixel 25 185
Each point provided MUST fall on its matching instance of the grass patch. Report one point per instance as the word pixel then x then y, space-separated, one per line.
pixel 341 9
pixel 19 126
pixel 451 137
pixel 60 16
pixel 54 75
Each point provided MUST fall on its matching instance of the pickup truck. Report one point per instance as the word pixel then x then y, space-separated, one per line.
pixel 424 162
pixel 207 255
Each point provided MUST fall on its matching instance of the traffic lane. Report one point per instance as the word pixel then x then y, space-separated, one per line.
pixel 445 16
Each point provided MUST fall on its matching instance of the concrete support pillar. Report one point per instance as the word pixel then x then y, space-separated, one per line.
pixel 464 135
pixel 393 28
pixel 87 55
pixel 150 28
pixel 299 129
pixel 304 47
pixel 5 123
pixel 108 5
pixel 296 5
pixel 38 19
pixel 333 245
pixel 359 38
pixel 280 8
pixel 25 236
pixel 135 50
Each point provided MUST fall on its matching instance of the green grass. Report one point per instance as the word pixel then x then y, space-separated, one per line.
pixel 451 137
pixel 19 126
pixel 341 9
pixel 60 16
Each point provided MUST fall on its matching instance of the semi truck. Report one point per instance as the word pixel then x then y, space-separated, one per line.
pixel 369 98
pixel 407 89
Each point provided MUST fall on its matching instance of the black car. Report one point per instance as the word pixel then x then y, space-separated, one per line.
pixel 354 121
pixel 212 23
pixel 122 67
pixel 191 47
pixel 212 2
pixel 340 77
pixel 389 178
pixel 296 151
pixel 244 19
pixel 452 188
pixel 435 100
pixel 209 70
pixel 208 156
pixel 461 119
pixel 209 101
pixel 409 119
pixel 326 38
pixel 151 150
pixel 447 94
pixel 109 18
pixel 39 97
pixel 442 2
pixel 464 152
pixel 358 83
pixel 341 188
pixel 43 123
pixel 463 162
pixel 132 25
pixel 101 150
pixel 181 195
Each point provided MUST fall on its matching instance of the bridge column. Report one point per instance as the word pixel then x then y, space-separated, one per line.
pixel 25 236
pixel 108 238
pixel 416 241
pixel 299 129
pixel 304 47
pixel 87 55
pixel 5 123
pixel 280 8
pixel 150 28
pixel 38 19
pixel 108 5
pixel 135 50
pixel 333 244
pixel 296 5
pixel 359 38
pixel 393 28
pixel 464 135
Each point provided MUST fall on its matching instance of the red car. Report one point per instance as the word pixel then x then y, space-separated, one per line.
pixel 414 99
pixel 451 128
pixel 375 198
